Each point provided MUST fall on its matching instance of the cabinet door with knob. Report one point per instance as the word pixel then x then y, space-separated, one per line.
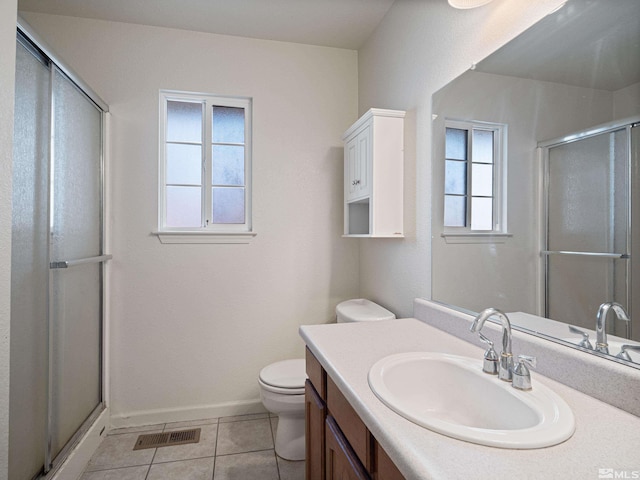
pixel 358 171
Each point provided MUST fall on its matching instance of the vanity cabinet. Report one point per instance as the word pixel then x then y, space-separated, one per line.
pixel 338 443
pixel 373 174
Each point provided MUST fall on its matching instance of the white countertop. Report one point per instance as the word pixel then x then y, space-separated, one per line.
pixel 605 437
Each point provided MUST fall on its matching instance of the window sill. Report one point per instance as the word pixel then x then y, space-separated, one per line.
pixel 492 237
pixel 204 237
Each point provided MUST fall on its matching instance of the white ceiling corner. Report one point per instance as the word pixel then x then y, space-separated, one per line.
pixel 331 23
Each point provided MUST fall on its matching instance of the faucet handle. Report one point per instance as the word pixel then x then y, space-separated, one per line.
pixel 624 354
pixel 521 374
pixel 584 343
pixel 490 361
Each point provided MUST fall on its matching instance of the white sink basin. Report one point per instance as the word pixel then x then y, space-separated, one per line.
pixel 451 395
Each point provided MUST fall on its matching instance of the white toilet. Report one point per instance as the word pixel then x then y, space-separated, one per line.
pixel 361 310
pixel 282 393
pixel 282 383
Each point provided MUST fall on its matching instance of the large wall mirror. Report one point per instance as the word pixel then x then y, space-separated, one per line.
pixel 536 179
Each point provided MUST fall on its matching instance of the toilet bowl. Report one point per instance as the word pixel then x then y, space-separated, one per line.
pixel 282 393
pixel 282 383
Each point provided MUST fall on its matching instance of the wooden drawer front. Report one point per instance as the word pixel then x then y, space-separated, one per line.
pixel 316 412
pixel 353 428
pixel 316 374
pixel 342 462
pixel 385 468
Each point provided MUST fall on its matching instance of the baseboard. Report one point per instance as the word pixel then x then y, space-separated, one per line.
pixel 198 412
pixel 77 461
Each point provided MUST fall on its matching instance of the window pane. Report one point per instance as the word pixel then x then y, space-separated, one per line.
pixel 455 211
pixel 184 164
pixel 184 122
pixel 184 207
pixel 481 214
pixel 228 205
pixel 456 144
pixel 228 125
pixel 455 177
pixel 482 146
pixel 228 165
pixel 481 180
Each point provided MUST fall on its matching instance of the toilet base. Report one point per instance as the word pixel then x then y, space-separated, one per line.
pixel 290 443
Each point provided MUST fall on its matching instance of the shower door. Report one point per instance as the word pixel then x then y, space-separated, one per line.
pixel 587 253
pixel 75 306
pixel 57 265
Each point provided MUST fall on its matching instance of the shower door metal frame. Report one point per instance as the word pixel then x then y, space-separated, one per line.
pixel 543 191
pixel 28 38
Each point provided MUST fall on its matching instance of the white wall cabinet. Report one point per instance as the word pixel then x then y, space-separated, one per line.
pixel 373 174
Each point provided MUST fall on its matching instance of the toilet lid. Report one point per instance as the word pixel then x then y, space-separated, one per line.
pixel 285 374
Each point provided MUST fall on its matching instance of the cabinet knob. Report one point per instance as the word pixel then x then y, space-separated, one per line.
pixel 355 182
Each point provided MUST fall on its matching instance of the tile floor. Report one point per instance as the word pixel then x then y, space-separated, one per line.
pixel 230 448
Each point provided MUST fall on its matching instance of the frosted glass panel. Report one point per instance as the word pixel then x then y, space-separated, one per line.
pixel 577 286
pixel 77 173
pixel 456 144
pixel 588 209
pixel 228 165
pixel 228 205
pixel 481 180
pixel 29 268
pixel 184 164
pixel 582 195
pixel 481 214
pixel 482 146
pixel 184 207
pixel 184 122
pixel 455 211
pixel 76 326
pixel 455 177
pixel 228 125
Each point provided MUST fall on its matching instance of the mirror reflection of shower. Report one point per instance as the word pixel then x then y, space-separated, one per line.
pixel 589 201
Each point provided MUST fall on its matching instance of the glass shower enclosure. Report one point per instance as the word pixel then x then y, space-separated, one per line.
pixel 589 202
pixel 57 263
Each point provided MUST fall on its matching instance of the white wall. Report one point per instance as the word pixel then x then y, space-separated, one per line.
pixel 192 325
pixel 7 83
pixel 627 101
pixel 419 47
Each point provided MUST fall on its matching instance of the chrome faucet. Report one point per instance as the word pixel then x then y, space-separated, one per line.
pixel 601 334
pixel 505 370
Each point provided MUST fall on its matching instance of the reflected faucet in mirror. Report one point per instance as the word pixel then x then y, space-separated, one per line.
pixel 601 334
pixel 584 343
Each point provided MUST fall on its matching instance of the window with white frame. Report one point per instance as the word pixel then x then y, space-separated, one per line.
pixel 205 163
pixel 475 172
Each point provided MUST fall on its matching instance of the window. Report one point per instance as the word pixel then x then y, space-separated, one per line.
pixel 475 171
pixel 205 168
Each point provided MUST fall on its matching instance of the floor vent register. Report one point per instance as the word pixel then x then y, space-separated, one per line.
pixel 167 439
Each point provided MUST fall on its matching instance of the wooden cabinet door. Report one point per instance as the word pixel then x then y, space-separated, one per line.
pixel 316 411
pixel 385 468
pixel 341 461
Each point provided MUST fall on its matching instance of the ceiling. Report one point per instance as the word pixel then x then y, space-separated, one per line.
pixel 331 23
pixel 588 43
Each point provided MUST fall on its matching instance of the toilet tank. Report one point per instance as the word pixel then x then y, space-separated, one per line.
pixel 361 310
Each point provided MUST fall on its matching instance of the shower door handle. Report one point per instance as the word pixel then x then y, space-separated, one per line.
pixel 82 261
pixel 624 256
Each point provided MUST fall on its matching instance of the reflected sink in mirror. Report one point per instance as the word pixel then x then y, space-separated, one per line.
pixel 451 395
